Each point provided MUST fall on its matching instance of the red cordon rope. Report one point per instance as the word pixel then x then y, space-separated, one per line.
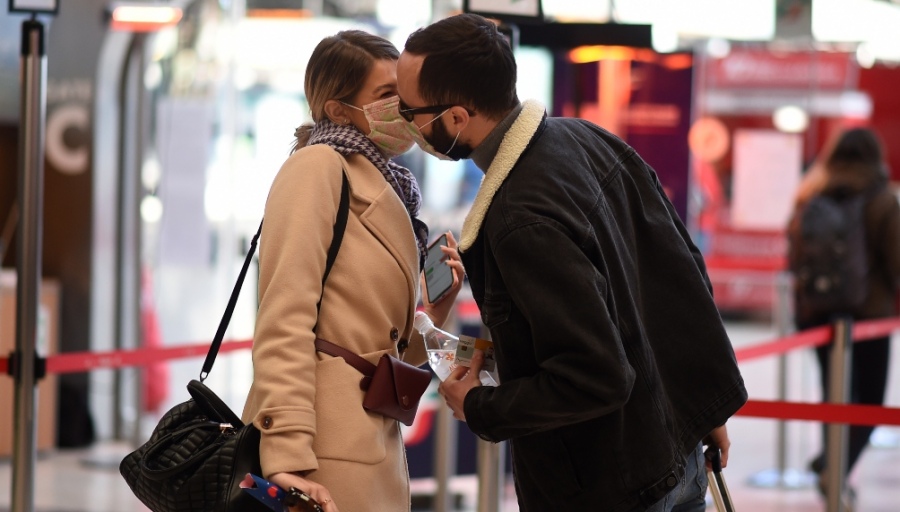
pixel 75 362
pixel 827 413
pixel 854 414
pixel 809 338
pixel 862 331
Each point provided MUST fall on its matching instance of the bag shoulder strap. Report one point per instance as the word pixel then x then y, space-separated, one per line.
pixel 340 225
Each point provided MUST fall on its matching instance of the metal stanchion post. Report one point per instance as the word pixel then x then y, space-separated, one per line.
pixel 31 195
pixel 781 476
pixel 444 458
pixel 838 393
pixel 490 468
pixel 490 475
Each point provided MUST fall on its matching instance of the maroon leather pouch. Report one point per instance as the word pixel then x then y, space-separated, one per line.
pixel 393 388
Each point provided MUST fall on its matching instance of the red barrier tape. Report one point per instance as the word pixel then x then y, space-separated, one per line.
pixel 85 361
pixel 862 331
pixel 75 362
pixel 874 328
pixel 827 413
pixel 809 338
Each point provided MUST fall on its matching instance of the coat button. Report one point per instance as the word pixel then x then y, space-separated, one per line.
pixel 267 422
pixel 395 334
pixel 671 481
pixel 403 345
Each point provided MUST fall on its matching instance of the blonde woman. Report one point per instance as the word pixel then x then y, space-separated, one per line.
pixel 315 434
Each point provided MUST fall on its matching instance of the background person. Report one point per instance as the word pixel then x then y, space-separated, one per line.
pixel 853 164
pixel 613 361
pixel 315 434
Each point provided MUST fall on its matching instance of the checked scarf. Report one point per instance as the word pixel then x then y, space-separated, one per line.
pixel 347 140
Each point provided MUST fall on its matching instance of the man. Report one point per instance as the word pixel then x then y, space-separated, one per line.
pixel 614 364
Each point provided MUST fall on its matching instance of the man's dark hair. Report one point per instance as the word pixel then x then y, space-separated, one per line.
pixel 468 62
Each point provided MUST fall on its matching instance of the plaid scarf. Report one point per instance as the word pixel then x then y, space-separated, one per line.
pixel 347 140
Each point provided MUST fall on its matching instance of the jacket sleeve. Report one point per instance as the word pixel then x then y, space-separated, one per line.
pixel 297 231
pixel 583 371
pixel 682 230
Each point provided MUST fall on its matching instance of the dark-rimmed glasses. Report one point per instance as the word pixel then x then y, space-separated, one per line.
pixel 410 113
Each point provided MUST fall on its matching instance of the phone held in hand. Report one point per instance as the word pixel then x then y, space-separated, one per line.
pixel 438 275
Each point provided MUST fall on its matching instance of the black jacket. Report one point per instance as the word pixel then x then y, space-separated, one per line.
pixel 612 357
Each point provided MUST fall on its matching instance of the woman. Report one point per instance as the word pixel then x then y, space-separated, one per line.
pixel 316 436
pixel 853 166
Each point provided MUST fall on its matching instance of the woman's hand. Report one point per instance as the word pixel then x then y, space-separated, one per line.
pixel 316 491
pixel 440 311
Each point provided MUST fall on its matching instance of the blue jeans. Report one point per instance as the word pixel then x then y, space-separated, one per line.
pixel 690 494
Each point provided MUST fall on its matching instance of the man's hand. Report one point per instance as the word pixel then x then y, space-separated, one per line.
pixel 458 384
pixel 719 438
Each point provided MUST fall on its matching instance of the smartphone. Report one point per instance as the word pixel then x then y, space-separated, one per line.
pixel 438 275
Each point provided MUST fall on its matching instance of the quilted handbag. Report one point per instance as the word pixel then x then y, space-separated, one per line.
pixel 195 458
pixel 200 451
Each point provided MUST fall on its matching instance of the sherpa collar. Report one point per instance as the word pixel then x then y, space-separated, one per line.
pixel 514 143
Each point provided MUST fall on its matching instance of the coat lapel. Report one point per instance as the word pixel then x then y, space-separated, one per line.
pixel 514 143
pixel 383 209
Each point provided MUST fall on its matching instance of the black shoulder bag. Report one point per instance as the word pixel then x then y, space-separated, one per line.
pixel 200 451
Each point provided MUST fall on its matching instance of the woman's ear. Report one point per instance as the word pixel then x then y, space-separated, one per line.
pixel 337 112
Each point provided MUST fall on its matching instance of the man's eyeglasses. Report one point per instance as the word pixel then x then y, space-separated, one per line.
pixel 410 113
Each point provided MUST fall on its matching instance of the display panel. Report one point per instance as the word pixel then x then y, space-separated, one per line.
pixel 506 9
pixel 33 6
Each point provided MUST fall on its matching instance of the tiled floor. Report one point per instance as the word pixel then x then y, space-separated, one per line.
pixel 88 480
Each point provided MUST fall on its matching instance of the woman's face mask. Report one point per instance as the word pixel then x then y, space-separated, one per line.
pixel 387 129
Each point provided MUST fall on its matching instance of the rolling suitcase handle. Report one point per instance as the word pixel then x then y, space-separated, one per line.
pixel 717 487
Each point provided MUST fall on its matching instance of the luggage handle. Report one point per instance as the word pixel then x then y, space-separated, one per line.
pixel 718 488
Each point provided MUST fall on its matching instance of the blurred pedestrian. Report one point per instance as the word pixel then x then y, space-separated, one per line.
pixel 851 171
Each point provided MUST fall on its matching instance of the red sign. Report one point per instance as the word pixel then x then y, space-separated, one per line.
pixel 759 68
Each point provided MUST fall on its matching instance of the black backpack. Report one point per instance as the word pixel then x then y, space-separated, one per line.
pixel 828 256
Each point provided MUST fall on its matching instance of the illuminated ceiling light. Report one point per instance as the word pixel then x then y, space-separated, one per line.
pixel 151 209
pixel 280 13
pixel 865 56
pixel 790 119
pixel 665 38
pixel 143 17
pixel 585 54
pixel 718 48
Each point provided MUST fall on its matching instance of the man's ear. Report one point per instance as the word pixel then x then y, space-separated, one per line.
pixel 459 117
pixel 337 112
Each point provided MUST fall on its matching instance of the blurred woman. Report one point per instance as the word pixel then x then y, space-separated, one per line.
pixel 315 434
pixel 853 166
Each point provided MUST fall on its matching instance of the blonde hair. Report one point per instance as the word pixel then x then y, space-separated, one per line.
pixel 337 69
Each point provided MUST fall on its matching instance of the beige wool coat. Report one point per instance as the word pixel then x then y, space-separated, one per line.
pixel 306 404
